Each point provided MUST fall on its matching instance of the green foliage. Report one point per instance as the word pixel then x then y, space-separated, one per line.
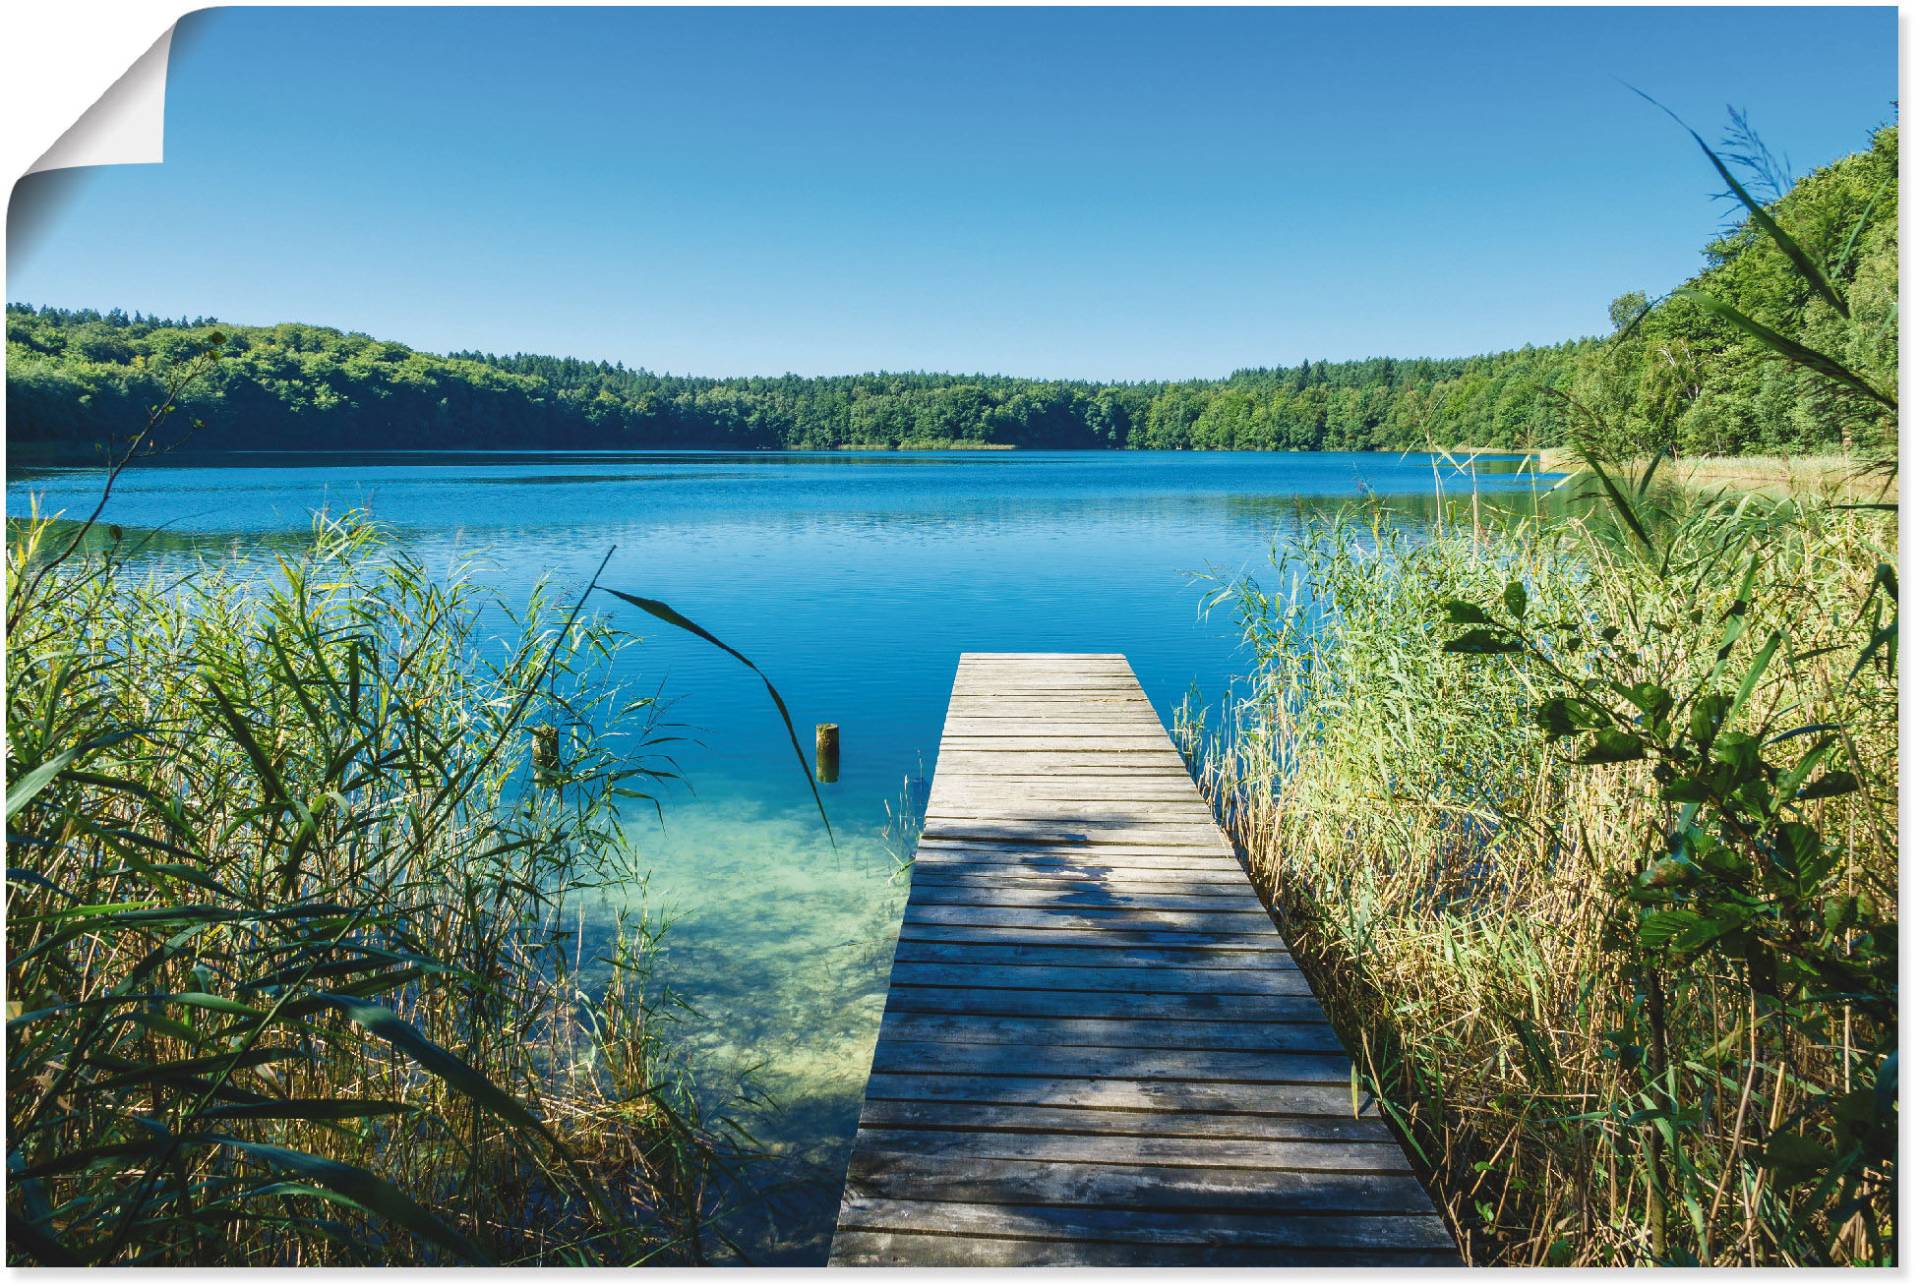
pixel 293 957
pixel 1446 770
pixel 1737 874
pixel 1814 269
pixel 1738 877
pixel 76 377
pixel 1679 373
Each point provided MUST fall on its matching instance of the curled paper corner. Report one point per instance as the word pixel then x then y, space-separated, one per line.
pixel 126 125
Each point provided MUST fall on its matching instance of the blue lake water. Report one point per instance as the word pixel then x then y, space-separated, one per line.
pixel 855 580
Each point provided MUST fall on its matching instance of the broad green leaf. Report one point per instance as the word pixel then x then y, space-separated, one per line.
pixel 1561 717
pixel 1795 1157
pixel 1611 746
pixel 1708 714
pixel 1514 597
pixel 1659 928
pixel 1667 873
pixel 1833 783
pixel 1652 699
pixel 1480 643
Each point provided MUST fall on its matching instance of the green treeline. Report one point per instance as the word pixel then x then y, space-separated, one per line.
pixel 1670 376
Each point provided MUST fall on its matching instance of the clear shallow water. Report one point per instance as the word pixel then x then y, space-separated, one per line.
pixel 855 580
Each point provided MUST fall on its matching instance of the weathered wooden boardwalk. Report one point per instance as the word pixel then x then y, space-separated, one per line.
pixel 1096 1048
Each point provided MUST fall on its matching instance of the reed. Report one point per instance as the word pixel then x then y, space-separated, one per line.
pixel 298 966
pixel 1473 902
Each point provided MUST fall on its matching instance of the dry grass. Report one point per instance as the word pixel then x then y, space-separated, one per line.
pixel 1449 881
pixel 1828 476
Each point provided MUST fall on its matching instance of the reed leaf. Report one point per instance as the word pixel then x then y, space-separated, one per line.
pixel 655 608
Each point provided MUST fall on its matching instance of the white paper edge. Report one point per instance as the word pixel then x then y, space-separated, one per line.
pixel 126 125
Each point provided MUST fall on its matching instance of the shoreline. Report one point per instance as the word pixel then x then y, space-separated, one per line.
pixel 1837 474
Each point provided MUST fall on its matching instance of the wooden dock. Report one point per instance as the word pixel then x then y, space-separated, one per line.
pixel 1097 1049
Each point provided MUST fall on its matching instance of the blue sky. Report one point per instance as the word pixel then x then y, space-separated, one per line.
pixel 1098 193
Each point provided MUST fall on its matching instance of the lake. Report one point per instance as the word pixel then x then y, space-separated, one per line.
pixel 855 580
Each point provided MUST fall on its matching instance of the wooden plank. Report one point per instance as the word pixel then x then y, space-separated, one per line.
pixel 1092 875
pixel 1046 757
pixel 1314 1037
pixel 1213 1006
pixel 1042 666
pixel 1051 660
pixel 1073 817
pixel 1124 835
pixel 1199 950
pixel 977 658
pixel 1150 1227
pixel 981 693
pixel 1113 1061
pixel 1156 981
pixel 1024 884
pixel 1036 685
pixel 1065 699
pixel 1096 790
pixel 861 1248
pixel 1138 873
pixel 979 763
pixel 987 804
pixel 1148 854
pixel 1104 712
pixel 1304 1099
pixel 1223 1190
pixel 1093 918
pixel 960 1115
pixel 1377 1156
pixel 1009 742
pixel 1174 944
pixel 1097 869
pixel 1140 724
pixel 1018 792
pixel 1075 862
pixel 1037 862
pixel 1095 1048
pixel 1070 951
pixel 1192 843
pixel 1075 897
pixel 1061 716
pixel 1004 797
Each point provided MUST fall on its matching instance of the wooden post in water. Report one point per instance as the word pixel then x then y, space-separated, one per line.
pixel 826 752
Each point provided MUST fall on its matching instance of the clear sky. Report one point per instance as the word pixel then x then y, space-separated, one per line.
pixel 1099 193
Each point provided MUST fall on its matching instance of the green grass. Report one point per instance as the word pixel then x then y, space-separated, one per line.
pixel 1457 885
pixel 297 963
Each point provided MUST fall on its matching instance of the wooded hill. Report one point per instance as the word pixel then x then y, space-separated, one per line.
pixel 1673 374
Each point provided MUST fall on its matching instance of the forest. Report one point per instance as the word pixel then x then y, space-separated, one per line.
pixel 1673 374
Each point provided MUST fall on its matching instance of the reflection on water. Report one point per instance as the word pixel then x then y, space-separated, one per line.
pixel 855 580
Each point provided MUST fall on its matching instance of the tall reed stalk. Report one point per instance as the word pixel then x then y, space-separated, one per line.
pixel 1462 890
pixel 297 966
